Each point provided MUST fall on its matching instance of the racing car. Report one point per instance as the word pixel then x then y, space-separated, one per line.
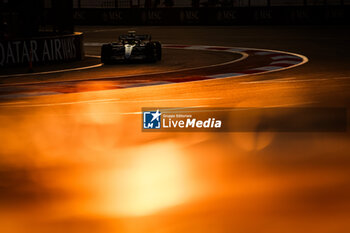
pixel 131 47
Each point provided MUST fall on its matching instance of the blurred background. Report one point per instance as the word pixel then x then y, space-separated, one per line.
pixel 73 157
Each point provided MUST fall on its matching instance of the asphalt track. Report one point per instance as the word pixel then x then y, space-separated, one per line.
pixel 78 162
pixel 251 61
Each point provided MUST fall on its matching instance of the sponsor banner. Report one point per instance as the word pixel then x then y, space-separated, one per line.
pixel 244 120
pixel 214 15
pixel 41 50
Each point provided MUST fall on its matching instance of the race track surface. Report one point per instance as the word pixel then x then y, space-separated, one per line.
pixel 74 158
pixel 250 61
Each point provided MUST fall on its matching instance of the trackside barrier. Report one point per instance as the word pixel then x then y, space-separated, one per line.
pixel 41 50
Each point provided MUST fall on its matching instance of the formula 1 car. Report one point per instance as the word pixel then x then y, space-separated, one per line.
pixel 131 47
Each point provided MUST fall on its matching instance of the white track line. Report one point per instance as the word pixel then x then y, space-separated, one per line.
pixel 243 54
pixel 55 71
pixel 288 55
pixel 265 70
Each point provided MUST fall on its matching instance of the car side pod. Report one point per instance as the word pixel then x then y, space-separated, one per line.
pixel 106 53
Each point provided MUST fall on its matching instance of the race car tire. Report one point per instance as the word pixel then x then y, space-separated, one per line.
pixel 159 50
pixel 151 52
pixel 106 52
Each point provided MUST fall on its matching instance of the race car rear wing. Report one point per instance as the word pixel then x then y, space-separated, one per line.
pixel 136 37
